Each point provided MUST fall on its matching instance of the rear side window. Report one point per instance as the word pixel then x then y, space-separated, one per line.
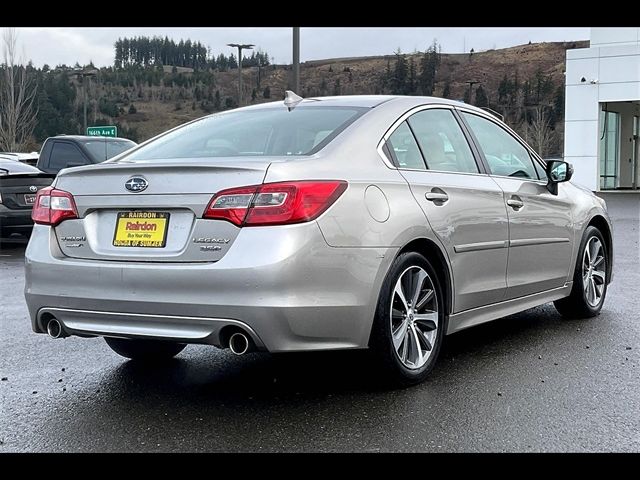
pixel 405 149
pixel 66 155
pixel 442 142
pixel 253 133
pixel 505 155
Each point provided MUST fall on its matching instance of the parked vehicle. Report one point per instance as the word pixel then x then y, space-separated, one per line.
pixel 65 151
pixel 28 158
pixel 379 222
pixel 19 184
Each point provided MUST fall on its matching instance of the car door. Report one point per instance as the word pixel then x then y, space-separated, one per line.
pixel 463 206
pixel 540 223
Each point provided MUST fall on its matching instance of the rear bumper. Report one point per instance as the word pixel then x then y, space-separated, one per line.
pixel 284 285
pixel 15 218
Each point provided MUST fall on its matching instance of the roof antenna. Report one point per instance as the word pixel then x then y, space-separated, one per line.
pixel 291 100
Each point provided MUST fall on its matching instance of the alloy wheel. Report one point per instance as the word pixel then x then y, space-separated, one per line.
pixel 593 271
pixel 414 317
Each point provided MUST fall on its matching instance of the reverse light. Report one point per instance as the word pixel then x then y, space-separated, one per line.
pixel 281 203
pixel 52 206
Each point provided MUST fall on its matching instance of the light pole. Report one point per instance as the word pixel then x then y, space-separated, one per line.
pixel 296 59
pixel 471 84
pixel 240 47
pixel 83 75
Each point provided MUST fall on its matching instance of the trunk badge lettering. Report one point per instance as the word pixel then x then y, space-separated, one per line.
pixel 210 248
pixel 74 245
pixel 210 240
pixel 73 239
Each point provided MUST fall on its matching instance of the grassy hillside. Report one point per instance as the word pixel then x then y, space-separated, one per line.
pixel 145 102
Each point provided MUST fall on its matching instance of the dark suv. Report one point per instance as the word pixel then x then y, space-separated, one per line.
pixel 65 151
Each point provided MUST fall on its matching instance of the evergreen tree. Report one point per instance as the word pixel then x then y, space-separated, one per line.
pixel 481 97
pixel 446 92
pixel 267 92
pixel 400 75
pixel 336 87
pixel 429 64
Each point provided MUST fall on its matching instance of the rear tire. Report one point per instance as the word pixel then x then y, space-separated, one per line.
pixel 589 278
pixel 144 350
pixel 409 324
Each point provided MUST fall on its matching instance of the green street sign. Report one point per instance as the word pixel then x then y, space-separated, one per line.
pixel 104 131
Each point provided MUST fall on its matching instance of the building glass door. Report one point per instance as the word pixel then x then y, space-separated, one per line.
pixel 609 149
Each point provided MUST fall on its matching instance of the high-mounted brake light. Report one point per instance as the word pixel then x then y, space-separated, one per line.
pixel 53 206
pixel 281 203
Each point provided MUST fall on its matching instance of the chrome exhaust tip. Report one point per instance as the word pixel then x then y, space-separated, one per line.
pixel 239 343
pixel 54 329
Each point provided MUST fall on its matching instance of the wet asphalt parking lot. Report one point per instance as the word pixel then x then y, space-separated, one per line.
pixel 528 382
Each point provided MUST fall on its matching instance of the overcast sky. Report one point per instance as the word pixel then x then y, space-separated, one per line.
pixel 55 46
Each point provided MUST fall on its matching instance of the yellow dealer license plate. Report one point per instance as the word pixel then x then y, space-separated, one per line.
pixel 141 229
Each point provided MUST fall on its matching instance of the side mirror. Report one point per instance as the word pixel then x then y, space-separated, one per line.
pixel 558 171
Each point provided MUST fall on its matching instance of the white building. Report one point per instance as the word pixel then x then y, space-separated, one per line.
pixel 602 110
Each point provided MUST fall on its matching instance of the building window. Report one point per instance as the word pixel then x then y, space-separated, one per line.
pixel 609 149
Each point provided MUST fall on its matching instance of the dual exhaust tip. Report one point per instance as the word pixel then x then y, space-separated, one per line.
pixel 55 330
pixel 239 343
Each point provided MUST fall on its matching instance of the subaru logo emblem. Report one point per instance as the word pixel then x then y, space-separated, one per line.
pixel 136 184
pixel 33 188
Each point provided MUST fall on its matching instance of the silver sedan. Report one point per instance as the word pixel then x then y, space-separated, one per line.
pixel 355 222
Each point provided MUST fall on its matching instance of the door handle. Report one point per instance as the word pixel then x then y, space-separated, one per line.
pixel 436 196
pixel 515 203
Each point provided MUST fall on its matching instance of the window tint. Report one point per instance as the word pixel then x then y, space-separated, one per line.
pixel 405 148
pixel 102 149
pixel 505 155
pixel 253 133
pixel 442 142
pixel 66 155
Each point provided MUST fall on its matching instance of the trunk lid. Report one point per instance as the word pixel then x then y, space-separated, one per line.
pixel 114 221
pixel 19 190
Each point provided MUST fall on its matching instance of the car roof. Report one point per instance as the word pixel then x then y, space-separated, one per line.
pixel 91 137
pixel 363 101
pixel 19 156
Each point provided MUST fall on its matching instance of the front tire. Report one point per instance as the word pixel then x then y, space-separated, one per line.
pixel 410 320
pixel 589 278
pixel 144 350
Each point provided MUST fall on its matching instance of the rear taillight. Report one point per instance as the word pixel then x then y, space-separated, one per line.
pixel 53 206
pixel 279 203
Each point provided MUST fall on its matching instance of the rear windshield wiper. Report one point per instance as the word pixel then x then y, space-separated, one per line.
pixel 6 172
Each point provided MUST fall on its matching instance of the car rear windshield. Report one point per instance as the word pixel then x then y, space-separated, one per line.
pixel 8 167
pixel 253 133
pixel 102 149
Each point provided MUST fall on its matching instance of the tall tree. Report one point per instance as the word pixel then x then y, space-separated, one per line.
pixel 18 109
pixel 446 91
pixel 481 97
pixel 429 64
pixel 540 132
pixel 400 74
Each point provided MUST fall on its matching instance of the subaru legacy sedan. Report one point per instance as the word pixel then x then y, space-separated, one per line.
pixel 355 222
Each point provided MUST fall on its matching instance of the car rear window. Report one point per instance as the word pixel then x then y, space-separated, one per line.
pixel 102 149
pixel 253 133
pixel 8 167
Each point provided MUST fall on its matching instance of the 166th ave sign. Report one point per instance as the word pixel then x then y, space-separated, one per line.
pixel 104 131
